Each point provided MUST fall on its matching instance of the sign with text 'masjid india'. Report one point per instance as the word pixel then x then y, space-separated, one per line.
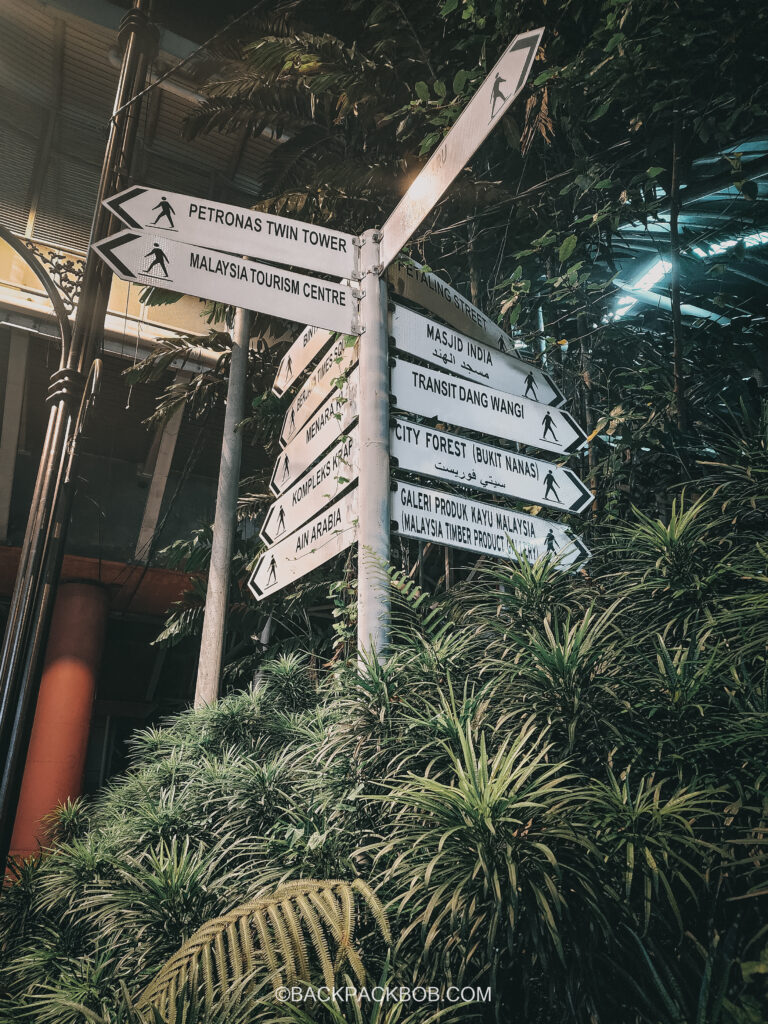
pixel 312 545
pixel 446 456
pixel 236 229
pixel 151 259
pixel 419 336
pixel 325 426
pixel 431 393
pixel 426 514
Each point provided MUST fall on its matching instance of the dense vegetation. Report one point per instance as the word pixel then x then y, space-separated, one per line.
pixel 556 786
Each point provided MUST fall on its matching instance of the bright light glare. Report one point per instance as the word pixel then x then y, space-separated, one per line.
pixel 716 248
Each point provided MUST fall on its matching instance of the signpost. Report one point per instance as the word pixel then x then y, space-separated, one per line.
pixel 426 514
pixel 236 229
pixel 437 453
pixel 339 358
pixel 309 343
pixel 477 120
pixel 331 420
pixel 431 393
pixel 418 336
pixel 151 259
pixel 313 491
pixel 326 535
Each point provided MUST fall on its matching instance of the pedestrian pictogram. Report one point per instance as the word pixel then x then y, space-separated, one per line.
pixel 158 258
pixel 166 211
pixel 530 388
pixel 550 489
pixel 548 426
pixel 497 95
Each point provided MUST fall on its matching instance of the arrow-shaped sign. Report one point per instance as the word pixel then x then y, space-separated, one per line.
pixel 418 336
pixel 425 514
pixel 151 259
pixel 309 343
pixel 338 359
pixel 326 535
pixel 313 491
pixel 431 393
pixel 331 420
pixel 477 120
pixel 436 453
pixel 236 229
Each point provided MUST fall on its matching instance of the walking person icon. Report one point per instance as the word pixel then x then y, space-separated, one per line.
pixel 272 574
pixel 497 94
pixel 286 468
pixel 551 490
pixel 292 426
pixel 166 210
pixel 159 259
pixel 549 540
pixel 289 368
pixel 548 425
pixel 530 386
pixel 280 521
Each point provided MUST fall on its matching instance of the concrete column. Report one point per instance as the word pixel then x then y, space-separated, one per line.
pixel 56 757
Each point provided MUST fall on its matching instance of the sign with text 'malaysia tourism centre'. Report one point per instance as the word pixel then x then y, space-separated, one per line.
pixel 160 262
pixel 236 229
pixel 426 514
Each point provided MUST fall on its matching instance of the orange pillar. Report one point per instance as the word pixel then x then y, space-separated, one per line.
pixel 56 757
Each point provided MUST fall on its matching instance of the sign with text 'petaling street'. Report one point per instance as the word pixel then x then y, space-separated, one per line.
pixel 446 456
pixel 426 514
pixel 325 536
pixel 419 336
pixel 316 436
pixel 151 259
pixel 431 393
pixel 312 492
pixel 236 229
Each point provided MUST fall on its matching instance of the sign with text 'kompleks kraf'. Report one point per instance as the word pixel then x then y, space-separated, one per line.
pixel 476 121
pixel 236 229
pixel 458 522
pixel 462 403
pixel 325 536
pixel 151 259
pixel 417 448
pixel 444 347
pixel 319 486
pixel 325 426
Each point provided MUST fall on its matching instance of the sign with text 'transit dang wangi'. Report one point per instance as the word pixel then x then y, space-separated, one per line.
pixel 151 259
pixel 236 229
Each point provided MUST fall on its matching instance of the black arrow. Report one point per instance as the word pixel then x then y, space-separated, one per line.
pixel 530 41
pixel 559 396
pixel 585 495
pixel 106 249
pixel 580 438
pixel 115 205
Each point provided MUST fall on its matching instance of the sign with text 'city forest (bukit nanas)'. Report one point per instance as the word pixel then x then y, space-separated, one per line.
pixel 312 492
pixel 426 514
pixel 309 344
pixel 340 358
pixel 480 116
pixel 416 335
pixel 432 393
pixel 236 229
pixel 316 436
pixel 150 259
pixel 312 545
pixel 445 456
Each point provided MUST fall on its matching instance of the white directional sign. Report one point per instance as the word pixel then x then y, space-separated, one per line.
pixel 431 292
pixel 338 359
pixel 313 491
pixel 309 343
pixel 331 420
pixel 426 514
pixel 431 393
pixel 479 117
pixel 436 453
pixel 442 346
pixel 236 229
pixel 152 259
pixel 326 535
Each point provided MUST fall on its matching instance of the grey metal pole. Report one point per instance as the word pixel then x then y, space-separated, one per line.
pixel 373 600
pixel 215 617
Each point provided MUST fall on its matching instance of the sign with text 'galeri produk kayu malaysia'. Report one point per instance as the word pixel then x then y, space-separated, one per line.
pixel 236 229
pixel 151 259
pixel 431 393
pixel 425 514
